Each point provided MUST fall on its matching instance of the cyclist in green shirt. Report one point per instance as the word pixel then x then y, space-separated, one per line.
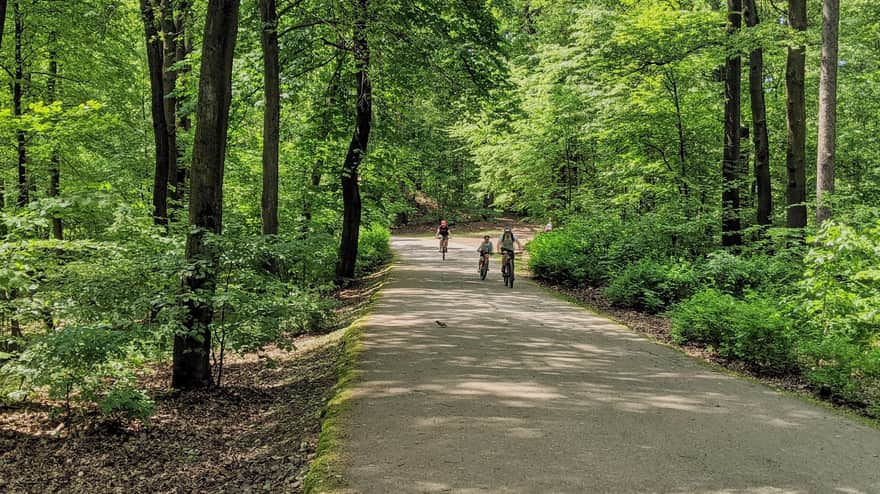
pixel 506 244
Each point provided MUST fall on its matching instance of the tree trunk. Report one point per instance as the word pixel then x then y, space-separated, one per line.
pixel 759 123
pixel 184 48
pixel 351 196
pixel 192 367
pixel 23 178
pixel 795 158
pixel 682 145
pixel 271 116
pixel 55 166
pixel 730 222
pixel 160 125
pixel 2 20
pixel 827 110
pixel 169 84
pixel 2 187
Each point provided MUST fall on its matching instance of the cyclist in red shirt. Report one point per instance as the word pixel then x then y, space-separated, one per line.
pixel 443 235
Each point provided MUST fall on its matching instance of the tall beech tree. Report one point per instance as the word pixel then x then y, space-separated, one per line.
pixel 184 47
pixel 795 158
pixel 55 163
pixel 827 144
pixel 2 19
pixel 155 57
pixel 271 115
pixel 169 85
pixel 2 27
pixel 357 149
pixel 192 348
pixel 760 136
pixel 730 222
pixel 17 104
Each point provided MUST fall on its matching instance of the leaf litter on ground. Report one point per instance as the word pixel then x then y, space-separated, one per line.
pixel 257 433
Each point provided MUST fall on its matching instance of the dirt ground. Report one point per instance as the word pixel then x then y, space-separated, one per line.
pixel 255 434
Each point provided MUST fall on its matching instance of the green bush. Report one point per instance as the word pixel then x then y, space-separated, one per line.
pixel 108 307
pixel 695 320
pixel 731 273
pixel 559 257
pixel 753 331
pixel 258 300
pixel 374 248
pixel 838 306
pixel 650 286
pixel 840 291
pixel 593 250
pixel 843 369
pixel 84 365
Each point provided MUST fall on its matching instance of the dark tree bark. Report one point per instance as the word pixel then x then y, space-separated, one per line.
pixel 169 84
pixel 184 48
pixel 759 123
pixel 675 94
pixel 795 157
pixel 2 26
pixel 192 367
pixel 160 125
pixel 271 116
pixel 357 149
pixel 21 138
pixel 827 109
pixel 2 19
pixel 55 165
pixel 682 145
pixel 730 222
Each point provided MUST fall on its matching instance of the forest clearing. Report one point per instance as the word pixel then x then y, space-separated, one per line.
pixel 223 263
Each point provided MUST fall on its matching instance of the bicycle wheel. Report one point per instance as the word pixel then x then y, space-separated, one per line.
pixel 504 273
pixel 484 269
pixel 510 281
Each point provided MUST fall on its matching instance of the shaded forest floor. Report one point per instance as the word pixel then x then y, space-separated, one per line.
pixel 256 433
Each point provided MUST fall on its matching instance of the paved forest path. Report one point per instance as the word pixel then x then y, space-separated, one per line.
pixel 522 392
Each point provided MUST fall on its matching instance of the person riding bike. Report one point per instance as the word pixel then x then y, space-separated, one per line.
pixel 485 249
pixel 443 235
pixel 506 244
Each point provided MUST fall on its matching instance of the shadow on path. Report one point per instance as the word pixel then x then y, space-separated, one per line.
pixel 522 393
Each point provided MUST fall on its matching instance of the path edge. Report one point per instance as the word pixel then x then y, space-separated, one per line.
pixel 804 396
pixel 325 471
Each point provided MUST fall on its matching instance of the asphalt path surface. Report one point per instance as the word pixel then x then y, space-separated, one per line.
pixel 466 386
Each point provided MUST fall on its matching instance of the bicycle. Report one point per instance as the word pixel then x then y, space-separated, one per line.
pixel 484 265
pixel 507 268
pixel 444 242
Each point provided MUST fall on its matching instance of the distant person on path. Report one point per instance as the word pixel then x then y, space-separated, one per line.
pixel 443 235
pixel 549 226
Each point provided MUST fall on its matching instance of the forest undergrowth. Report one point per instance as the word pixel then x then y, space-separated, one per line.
pixel 256 433
pixel 794 314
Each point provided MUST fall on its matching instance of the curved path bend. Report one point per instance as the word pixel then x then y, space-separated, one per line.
pixel 520 392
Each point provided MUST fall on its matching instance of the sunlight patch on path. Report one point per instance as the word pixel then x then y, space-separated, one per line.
pixel 469 387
